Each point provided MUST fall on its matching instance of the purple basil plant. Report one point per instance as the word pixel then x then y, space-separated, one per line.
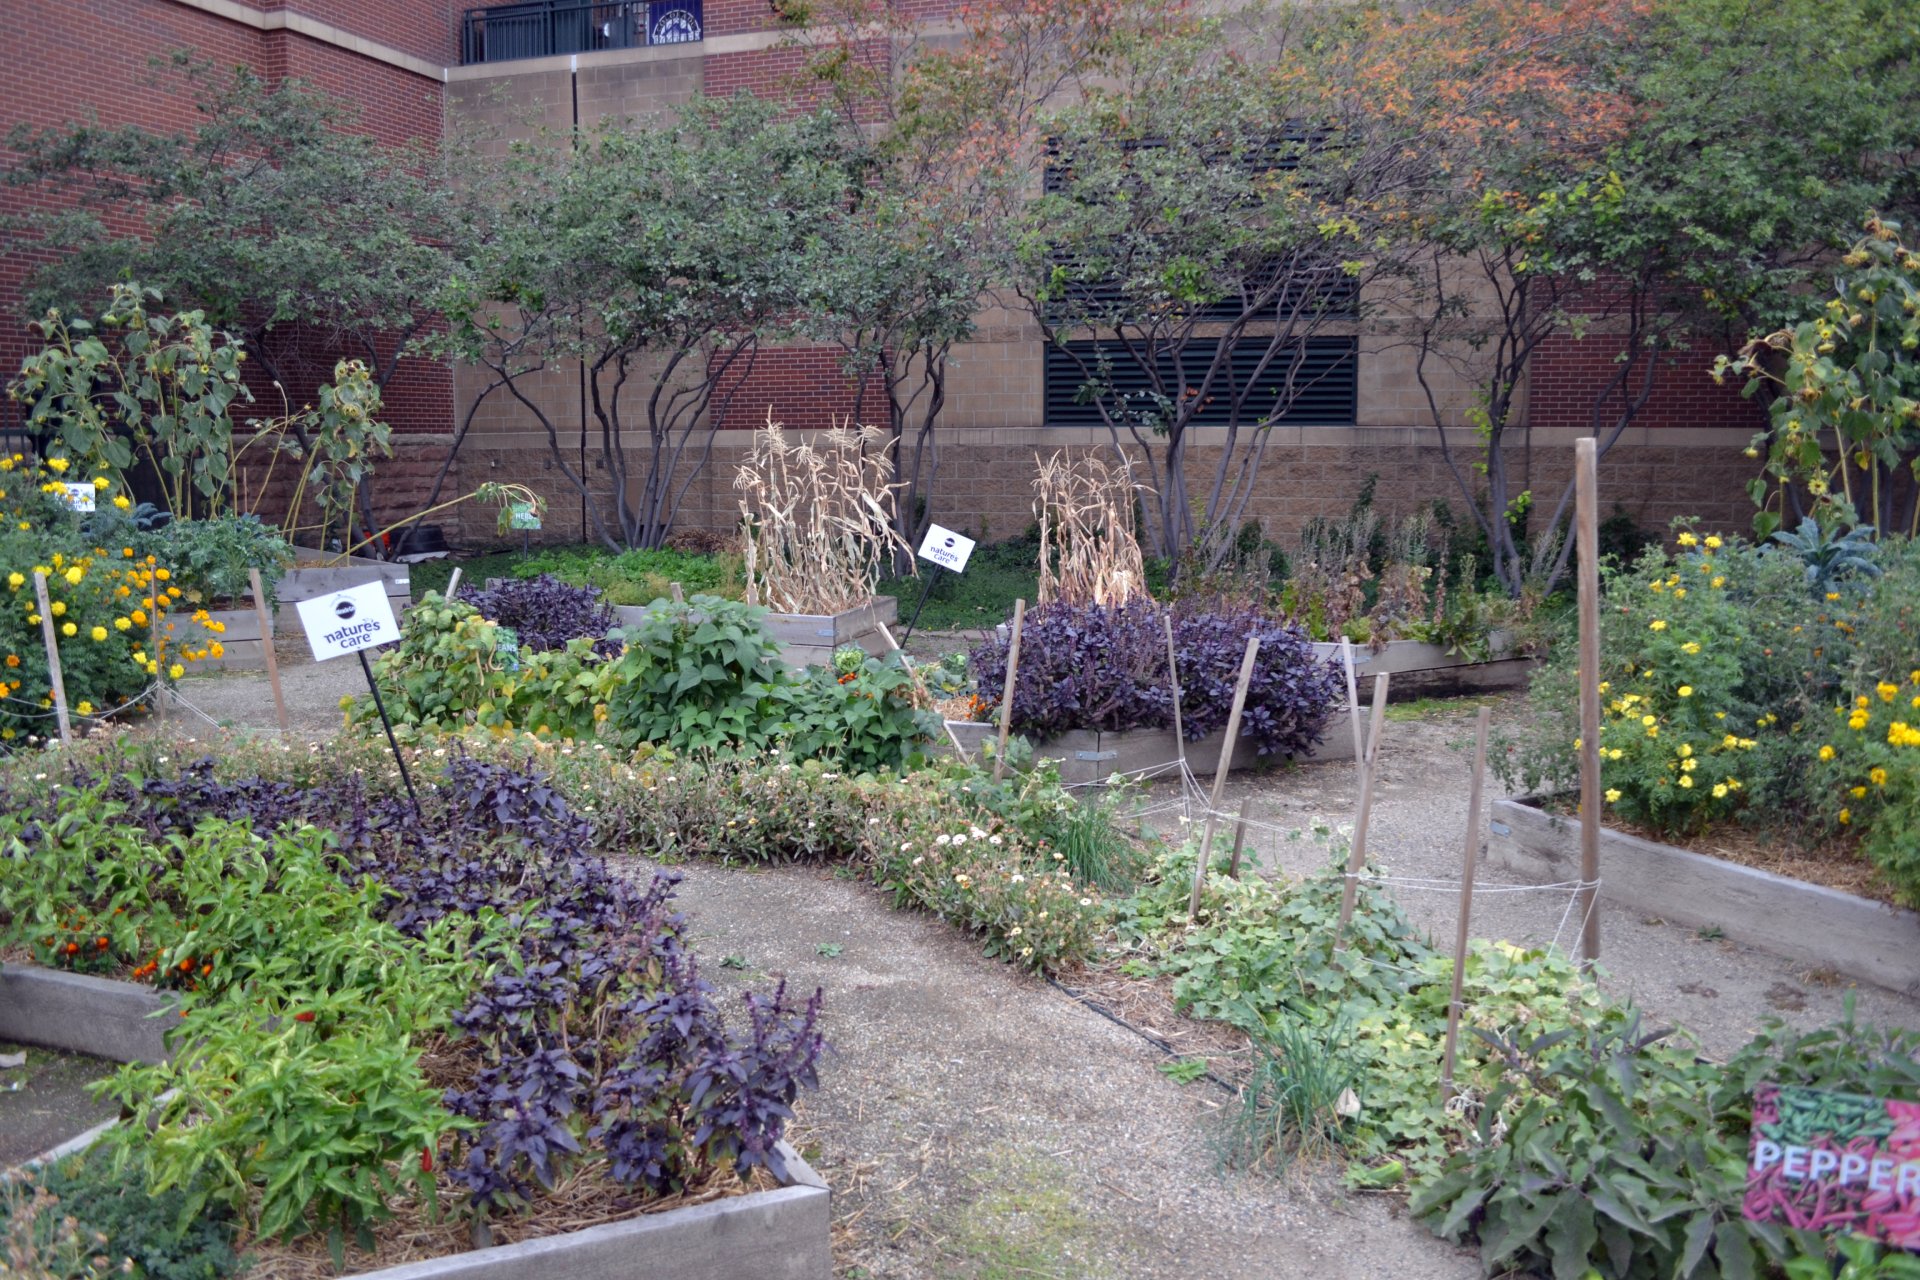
pixel 1105 668
pixel 545 613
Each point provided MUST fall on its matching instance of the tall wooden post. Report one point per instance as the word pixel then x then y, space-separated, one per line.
pixel 1173 680
pixel 53 658
pixel 1006 696
pixel 1220 772
pixel 1353 701
pixel 266 647
pixel 1357 855
pixel 1466 903
pixel 1587 545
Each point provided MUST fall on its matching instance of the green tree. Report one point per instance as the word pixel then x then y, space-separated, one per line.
pixel 274 216
pixel 1205 217
pixel 660 256
pixel 1681 172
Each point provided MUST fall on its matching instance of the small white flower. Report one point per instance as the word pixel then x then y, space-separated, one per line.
pixel 918 861
pixel 1086 902
pixel 942 840
pixel 976 833
pixel 959 840
pixel 1018 878
pixel 994 840
pixel 905 845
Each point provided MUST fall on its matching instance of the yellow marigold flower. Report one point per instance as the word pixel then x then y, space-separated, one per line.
pixel 162 574
pixel 1857 792
pixel 1613 795
pixel 1657 624
pixel 1733 784
pixel 1826 753
pixel 33 619
pixel 1653 731
pixel 1688 766
pixel 1719 791
pixel 217 649
pixel 1686 691
pixel 1886 691
pixel 1684 750
pixel 121 501
pixel 98 634
pixel 1646 720
pixel 1833 595
pixel 1914 678
pixel 1713 542
pixel 1718 582
pixel 74 575
pixel 1687 540
pixel 122 624
pixel 59 607
pixel 1686 780
pixel 16 581
pixel 1746 744
pixel 126 552
pixel 176 671
pixel 140 656
pixel 84 708
pixel 1691 646
pixel 1846 816
pixel 69 630
pixel 58 464
pixel 101 482
pixel 1857 721
pixel 1679 592
pixel 139 617
pixel 1878 777
pixel 1608 684
pixel 1729 741
pixel 1615 754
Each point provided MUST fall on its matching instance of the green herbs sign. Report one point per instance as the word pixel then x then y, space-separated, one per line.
pixel 1835 1162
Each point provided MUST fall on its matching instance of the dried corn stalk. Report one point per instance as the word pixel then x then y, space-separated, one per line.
pixel 818 518
pixel 1086 511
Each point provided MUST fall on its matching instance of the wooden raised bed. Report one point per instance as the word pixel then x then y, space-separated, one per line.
pixel 808 640
pixel 783 1234
pixel 1089 756
pixel 309 577
pixel 1809 922
pixel 1422 670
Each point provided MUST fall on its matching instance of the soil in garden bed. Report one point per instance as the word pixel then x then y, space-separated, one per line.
pixel 1832 864
pixel 416 1232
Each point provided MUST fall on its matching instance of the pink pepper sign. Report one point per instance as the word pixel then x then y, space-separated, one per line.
pixel 1835 1162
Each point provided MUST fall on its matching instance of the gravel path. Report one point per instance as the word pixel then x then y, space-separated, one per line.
pixel 1719 990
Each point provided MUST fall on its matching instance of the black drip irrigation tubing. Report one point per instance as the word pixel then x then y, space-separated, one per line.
pixel 1163 1045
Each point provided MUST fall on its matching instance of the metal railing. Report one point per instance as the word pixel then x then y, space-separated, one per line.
pixel 542 28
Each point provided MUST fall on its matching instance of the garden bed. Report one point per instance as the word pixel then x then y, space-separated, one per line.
pixel 1089 756
pixel 312 576
pixel 782 1233
pixel 807 639
pixel 1824 927
pixel 1427 670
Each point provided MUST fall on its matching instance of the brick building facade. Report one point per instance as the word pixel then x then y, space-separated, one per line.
pixel 412 69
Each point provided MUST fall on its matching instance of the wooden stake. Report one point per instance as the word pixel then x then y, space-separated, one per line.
pixel 162 704
pixel 53 659
pixel 1454 1009
pixel 1357 856
pixel 1239 839
pixel 679 596
pixel 453 583
pixel 1173 679
pixel 1587 545
pixel 1006 696
pixel 266 648
pixel 893 646
pixel 1220 772
pixel 1353 701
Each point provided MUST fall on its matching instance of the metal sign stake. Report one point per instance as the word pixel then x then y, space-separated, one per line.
pixel 381 706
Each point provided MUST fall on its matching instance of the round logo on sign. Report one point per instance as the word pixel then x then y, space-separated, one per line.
pixel 344 610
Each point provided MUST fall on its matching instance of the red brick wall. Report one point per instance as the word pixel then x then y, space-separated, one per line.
pixel 91 56
pixel 803 387
pixel 424 28
pixel 1568 372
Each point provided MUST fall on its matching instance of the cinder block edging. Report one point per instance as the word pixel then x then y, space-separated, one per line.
pixel 1809 922
pixel 784 1234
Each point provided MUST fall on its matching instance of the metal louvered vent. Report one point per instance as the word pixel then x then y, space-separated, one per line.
pixel 1324 389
